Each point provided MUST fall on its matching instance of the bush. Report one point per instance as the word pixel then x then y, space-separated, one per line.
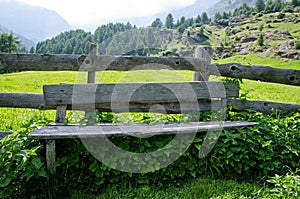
pixel 245 153
pixel 297 45
pixel 22 170
pixel 261 40
pixel 285 186
pixel 281 15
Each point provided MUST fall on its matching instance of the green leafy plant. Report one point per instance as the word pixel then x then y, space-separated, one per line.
pixel 22 170
pixel 286 186
pixel 297 45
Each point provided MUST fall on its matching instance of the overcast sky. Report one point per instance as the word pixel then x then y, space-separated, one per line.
pixel 88 12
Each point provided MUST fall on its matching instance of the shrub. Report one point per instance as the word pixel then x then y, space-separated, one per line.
pixel 285 186
pixel 297 45
pixel 260 40
pixel 22 170
pixel 245 153
pixel 261 27
pixel 281 15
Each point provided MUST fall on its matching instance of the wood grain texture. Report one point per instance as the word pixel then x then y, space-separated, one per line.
pixel 202 53
pixel 264 106
pixel 50 62
pixel 36 101
pixel 50 156
pixel 142 93
pixel 136 130
pixel 21 100
pixel 3 134
pixel 261 73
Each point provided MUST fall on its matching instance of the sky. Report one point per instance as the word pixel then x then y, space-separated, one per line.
pixel 88 12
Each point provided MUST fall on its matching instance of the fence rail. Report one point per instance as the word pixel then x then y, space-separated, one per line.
pixel 49 62
pixel 36 101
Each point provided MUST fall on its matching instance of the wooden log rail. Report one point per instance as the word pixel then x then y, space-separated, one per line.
pixel 48 62
pixel 36 101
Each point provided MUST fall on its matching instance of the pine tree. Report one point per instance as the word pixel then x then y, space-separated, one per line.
pixel 260 5
pixel 198 19
pixel 201 32
pixel 295 3
pixel 169 21
pixel 204 18
pixel 8 43
pixel 157 23
pixel 31 49
pixel 260 40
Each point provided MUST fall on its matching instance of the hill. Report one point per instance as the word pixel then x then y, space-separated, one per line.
pixel 190 11
pixel 228 5
pixel 245 31
pixel 32 22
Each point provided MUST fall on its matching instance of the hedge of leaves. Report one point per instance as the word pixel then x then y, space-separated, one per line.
pixel 270 148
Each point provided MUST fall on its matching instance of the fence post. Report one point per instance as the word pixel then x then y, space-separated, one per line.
pixel 204 53
pixel 92 74
pixel 91 114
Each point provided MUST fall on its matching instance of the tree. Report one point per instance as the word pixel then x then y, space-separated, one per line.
pixel 31 49
pixel 182 20
pixel 260 40
pixel 204 18
pixel 278 5
pixel 295 3
pixel 169 21
pixel 260 5
pixel 198 19
pixel 201 32
pixel 157 23
pixel 8 43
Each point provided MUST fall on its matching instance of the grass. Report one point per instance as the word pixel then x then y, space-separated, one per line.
pixel 31 82
pixel 195 188
pixel 255 59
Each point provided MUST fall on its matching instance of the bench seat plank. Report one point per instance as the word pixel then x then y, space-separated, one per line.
pixel 3 134
pixel 136 129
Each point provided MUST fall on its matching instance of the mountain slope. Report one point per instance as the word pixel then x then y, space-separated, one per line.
pixel 228 5
pixel 27 43
pixel 32 22
pixel 190 11
pixel 196 9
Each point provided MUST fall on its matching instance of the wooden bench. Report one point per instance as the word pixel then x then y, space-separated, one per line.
pixel 168 98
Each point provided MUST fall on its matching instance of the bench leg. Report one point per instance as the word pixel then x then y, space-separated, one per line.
pixel 50 156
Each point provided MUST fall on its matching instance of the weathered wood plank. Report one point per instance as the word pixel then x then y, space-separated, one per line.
pixel 50 156
pixel 261 73
pixel 264 106
pixel 61 114
pixel 35 101
pixel 3 134
pixel 201 53
pixel 71 94
pixel 137 130
pixel 21 100
pixel 48 62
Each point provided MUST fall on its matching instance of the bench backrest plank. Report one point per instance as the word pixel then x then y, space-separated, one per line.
pixel 138 96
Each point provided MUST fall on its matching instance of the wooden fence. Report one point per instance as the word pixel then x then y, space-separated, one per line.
pixel 91 63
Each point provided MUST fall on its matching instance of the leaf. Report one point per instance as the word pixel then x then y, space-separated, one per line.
pixel 43 173
pixel 28 174
pixel 6 182
pixel 147 144
pixel 37 163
